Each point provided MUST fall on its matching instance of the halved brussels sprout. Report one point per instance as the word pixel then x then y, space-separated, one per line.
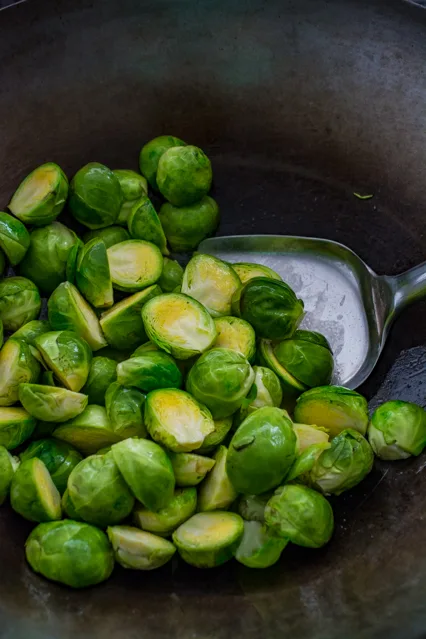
pixel 186 226
pixel 14 238
pixel 266 391
pixel 98 491
pixel 29 331
pixel 110 235
pixel 125 410
pixel 211 282
pixel 16 425
pixel 133 186
pixel 311 442
pixel 209 539
pixel 305 462
pixel 171 276
pixel 270 306
pixel 20 302
pixel 221 379
pixel 307 357
pixel 334 408
pixel 71 267
pixel 103 372
pixel 147 470
pixel 261 451
pixel 50 403
pixel 17 365
pixel 8 467
pixel 237 335
pixel 217 492
pixel 45 261
pixel 309 435
pixel 397 430
pixel 92 274
pixel 291 387
pixel 252 507
pixel 68 310
pixel 33 494
pixel 247 271
pixel 95 196
pixel 189 468
pixel 122 324
pixel 58 457
pixel 165 520
pixel 41 196
pixel 151 153
pixel 179 325
pixel 221 429
pixel 134 265
pixel 67 355
pixel 89 431
pixel 259 547
pixel 139 550
pixel 144 224
pixel 301 515
pixel 70 552
pixel 176 420
pixel 149 371
pixel 184 175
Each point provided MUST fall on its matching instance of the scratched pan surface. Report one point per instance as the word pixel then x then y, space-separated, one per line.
pixel 299 104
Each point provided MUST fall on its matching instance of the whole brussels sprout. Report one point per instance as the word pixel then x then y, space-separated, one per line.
pixel 89 431
pixel 149 371
pixel 307 357
pixel 151 153
pixel 41 196
pixel 186 226
pixel 259 547
pixel 45 261
pixel 301 515
pixel 270 306
pixel 33 494
pixel 70 552
pixel 68 507
pixel 144 224
pixel 221 379
pixel 95 196
pixel 14 238
pixel 134 265
pixel 58 457
pixel 221 429
pixel 397 430
pixel 16 426
pixel 29 331
pixel 92 274
pixel 266 391
pixel 17 365
pixel 165 520
pixel 8 466
pixel 184 175
pixel 178 325
pixel 67 355
pixel 261 451
pixel 247 271
pixel 133 187
pixel 110 235
pixel 125 410
pixel 216 491
pixel 50 403
pixel 189 468
pixel 237 335
pixel 20 302
pixel 171 276
pixel 139 550
pixel 103 372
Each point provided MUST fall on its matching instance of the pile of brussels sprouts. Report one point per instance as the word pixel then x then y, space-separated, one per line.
pixel 160 409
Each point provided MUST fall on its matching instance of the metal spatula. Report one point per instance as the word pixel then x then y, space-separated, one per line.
pixel 344 299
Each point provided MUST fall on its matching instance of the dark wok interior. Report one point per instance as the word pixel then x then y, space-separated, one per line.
pixel 299 103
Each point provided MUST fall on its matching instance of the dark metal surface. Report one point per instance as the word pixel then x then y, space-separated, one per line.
pixel 299 103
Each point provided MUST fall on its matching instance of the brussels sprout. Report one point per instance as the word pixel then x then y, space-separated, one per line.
pixel 16 425
pixel 176 420
pixel 122 324
pixel 291 387
pixel 8 467
pixel 397 430
pixel 216 492
pixel 67 355
pixel 309 435
pixel 73 553
pixel 14 238
pixel 71 266
pixel 89 431
pixel 221 429
pixel 33 494
pixel 147 471
pixel 209 539
pixel 68 507
pixel 50 403
pixel 221 379
pixel 179 325
pixel 334 408
pixel 165 520
pixel 17 365
pixel 171 276
pixel 185 227
pixel 68 310
pixel 261 451
pixel 41 196
pixel 148 347
pixel 29 331
pixel 110 235
pixel 247 271
pixel 149 371
pixel 266 391
pixel 45 261
pixel 189 468
pixel 151 153
pixel 58 457
pixel 305 462
pixel 98 491
pixel 125 408
pixel 139 550
pixel 95 196
pixel 20 302
pixel 301 515
pixel 237 335
pixel 307 357
pixel 133 187
pixel 134 265
pixel 144 224
pixel 252 507
pixel 184 175
pixel 103 372
pixel 259 547
pixel 92 274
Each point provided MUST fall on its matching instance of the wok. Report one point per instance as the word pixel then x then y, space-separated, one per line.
pixel 299 104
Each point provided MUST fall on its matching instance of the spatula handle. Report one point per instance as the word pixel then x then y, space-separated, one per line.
pixel 408 287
